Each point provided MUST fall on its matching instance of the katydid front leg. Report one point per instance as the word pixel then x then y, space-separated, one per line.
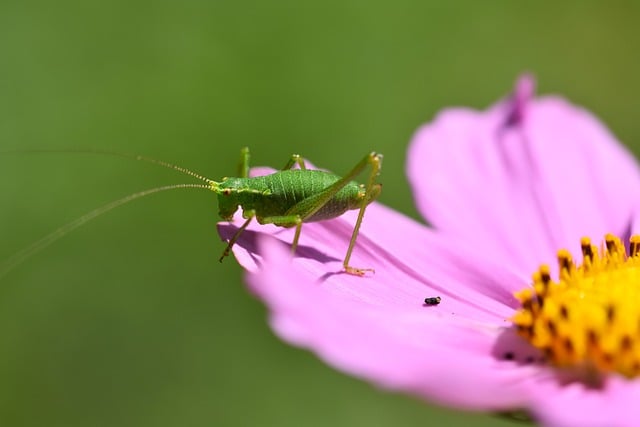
pixel 243 166
pixel 236 236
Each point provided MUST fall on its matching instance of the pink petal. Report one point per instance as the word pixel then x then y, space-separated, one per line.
pixel 414 263
pixel 377 326
pixel 615 405
pixel 402 346
pixel 505 188
pixel 524 178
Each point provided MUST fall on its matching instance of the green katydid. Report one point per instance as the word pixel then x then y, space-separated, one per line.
pixel 290 197
pixel 286 198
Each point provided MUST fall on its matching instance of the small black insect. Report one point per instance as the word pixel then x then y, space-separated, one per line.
pixel 432 300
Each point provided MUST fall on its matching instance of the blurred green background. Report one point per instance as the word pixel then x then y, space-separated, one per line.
pixel 131 321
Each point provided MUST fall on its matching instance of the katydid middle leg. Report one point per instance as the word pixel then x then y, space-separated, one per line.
pixel 243 172
pixel 243 165
pixel 295 160
pixel 286 221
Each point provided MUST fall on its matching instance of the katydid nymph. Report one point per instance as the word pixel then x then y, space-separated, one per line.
pixel 291 197
pixel 286 198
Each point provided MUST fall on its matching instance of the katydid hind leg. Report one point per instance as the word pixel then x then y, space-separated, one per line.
pixel 311 205
pixel 236 236
pixel 372 190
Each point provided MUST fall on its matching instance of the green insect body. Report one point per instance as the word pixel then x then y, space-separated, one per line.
pixel 291 197
pixel 271 195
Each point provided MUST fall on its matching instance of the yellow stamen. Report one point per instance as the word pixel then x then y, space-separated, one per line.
pixel 589 319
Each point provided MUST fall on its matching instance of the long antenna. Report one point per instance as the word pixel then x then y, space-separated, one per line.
pixel 19 257
pixel 116 154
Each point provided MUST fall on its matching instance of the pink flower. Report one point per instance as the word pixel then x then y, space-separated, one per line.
pixel 504 189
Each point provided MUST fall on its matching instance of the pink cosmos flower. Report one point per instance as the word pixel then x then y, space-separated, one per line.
pixel 504 189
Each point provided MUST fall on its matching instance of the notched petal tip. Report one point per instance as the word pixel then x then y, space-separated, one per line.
pixel 523 92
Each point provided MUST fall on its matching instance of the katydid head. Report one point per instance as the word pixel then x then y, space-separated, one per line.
pixel 227 192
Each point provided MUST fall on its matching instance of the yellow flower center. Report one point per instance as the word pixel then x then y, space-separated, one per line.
pixel 588 319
